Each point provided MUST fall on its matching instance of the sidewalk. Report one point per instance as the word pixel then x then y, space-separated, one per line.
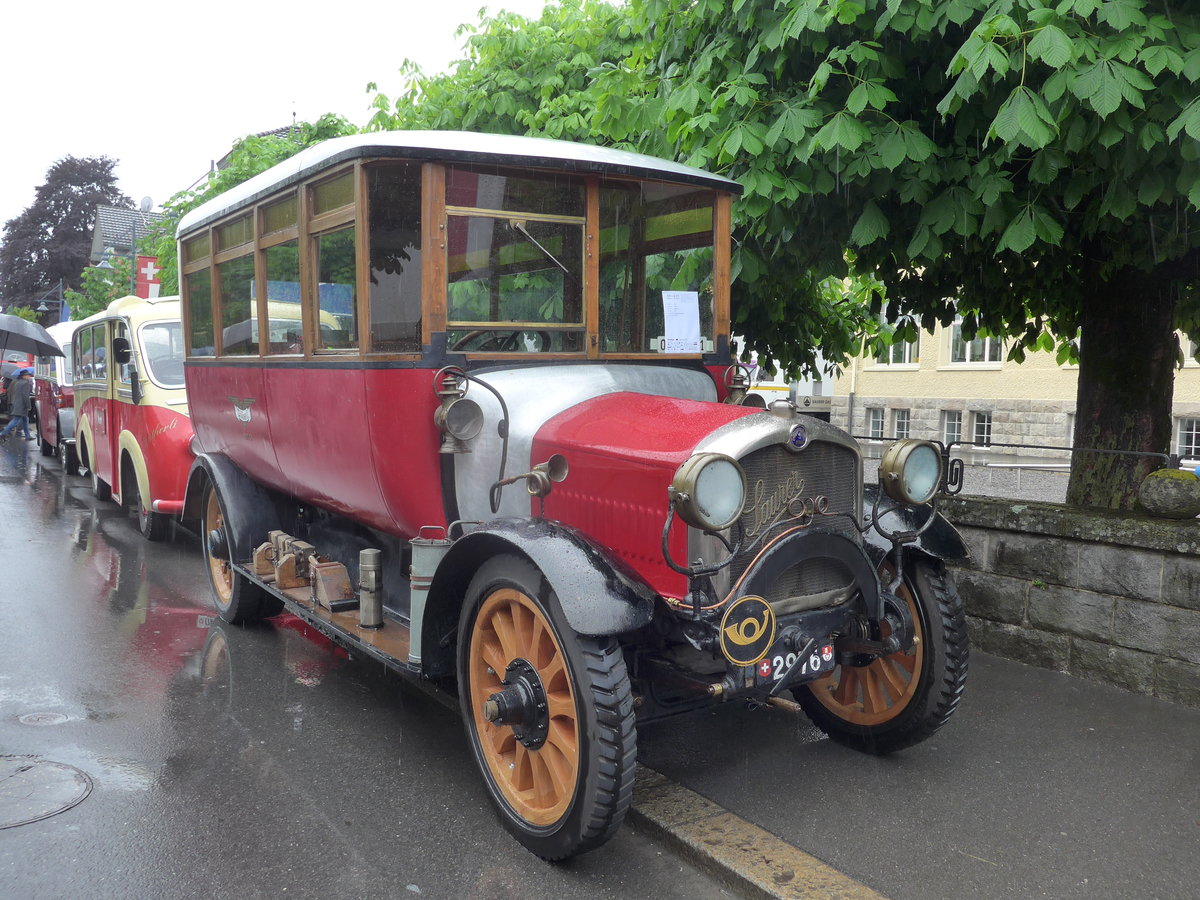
pixel 1042 785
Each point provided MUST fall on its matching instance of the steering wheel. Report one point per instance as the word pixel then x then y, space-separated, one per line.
pixel 502 340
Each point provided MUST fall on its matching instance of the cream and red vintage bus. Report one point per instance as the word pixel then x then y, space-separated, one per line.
pixel 506 451
pixel 132 431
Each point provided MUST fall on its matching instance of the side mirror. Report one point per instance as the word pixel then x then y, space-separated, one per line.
pixel 121 351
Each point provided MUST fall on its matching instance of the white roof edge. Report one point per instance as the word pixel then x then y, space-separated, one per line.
pixel 470 146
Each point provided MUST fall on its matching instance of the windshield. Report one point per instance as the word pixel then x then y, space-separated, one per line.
pixel 162 353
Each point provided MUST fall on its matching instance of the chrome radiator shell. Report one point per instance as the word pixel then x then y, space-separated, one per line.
pixel 829 466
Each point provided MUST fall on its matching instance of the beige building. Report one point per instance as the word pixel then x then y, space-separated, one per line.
pixel 944 388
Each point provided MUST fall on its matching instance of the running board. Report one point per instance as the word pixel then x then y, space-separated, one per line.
pixel 388 643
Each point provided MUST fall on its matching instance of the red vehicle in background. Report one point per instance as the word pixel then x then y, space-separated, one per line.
pixel 54 399
pixel 133 433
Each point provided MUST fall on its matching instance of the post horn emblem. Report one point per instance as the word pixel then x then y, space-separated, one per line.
pixel 747 630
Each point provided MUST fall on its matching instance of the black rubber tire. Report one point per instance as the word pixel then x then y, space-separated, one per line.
pixel 70 459
pixel 154 526
pixel 237 599
pixel 100 488
pixel 939 676
pixel 45 446
pixel 606 736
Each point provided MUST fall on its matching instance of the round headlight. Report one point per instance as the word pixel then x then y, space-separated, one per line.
pixel 709 491
pixel 910 471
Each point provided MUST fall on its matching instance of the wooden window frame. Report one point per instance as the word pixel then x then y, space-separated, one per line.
pixel 434 265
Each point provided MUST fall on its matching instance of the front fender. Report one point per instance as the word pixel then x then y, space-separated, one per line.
pixel 247 508
pixel 129 446
pixel 940 541
pixel 599 595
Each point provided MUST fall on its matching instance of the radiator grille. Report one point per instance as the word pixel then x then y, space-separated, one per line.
pixel 775 474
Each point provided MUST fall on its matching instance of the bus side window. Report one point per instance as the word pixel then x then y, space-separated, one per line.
pixel 122 372
pixel 83 352
pixel 395 239
pixel 99 352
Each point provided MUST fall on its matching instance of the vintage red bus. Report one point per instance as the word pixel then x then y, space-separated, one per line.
pixel 133 434
pixel 507 451
pixel 54 399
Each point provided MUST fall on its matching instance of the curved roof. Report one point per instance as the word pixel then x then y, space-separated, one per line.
pixel 452 146
pixel 137 310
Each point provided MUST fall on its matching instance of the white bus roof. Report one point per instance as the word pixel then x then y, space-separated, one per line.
pixel 452 146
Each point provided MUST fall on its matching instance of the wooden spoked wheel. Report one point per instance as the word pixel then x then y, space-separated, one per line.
pixel 219 572
pixel 538 777
pixel 900 699
pixel 877 692
pixel 237 599
pixel 548 711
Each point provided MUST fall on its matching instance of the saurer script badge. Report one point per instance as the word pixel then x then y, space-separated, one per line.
pixel 747 631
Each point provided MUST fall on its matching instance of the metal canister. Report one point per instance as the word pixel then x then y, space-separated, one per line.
pixel 370 588
pixel 429 547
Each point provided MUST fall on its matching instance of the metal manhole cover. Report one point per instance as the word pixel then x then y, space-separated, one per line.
pixel 43 718
pixel 32 789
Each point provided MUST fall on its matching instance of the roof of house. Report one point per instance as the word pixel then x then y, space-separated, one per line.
pixel 117 228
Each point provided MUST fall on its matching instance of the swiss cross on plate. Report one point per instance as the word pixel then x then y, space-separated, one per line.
pixel 764 668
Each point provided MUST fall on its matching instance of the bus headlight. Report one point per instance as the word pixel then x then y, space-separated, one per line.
pixel 910 471
pixel 709 491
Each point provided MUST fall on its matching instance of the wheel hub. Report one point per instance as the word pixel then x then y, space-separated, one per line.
pixel 218 547
pixel 522 704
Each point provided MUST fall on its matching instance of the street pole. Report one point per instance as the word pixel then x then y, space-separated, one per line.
pixel 133 258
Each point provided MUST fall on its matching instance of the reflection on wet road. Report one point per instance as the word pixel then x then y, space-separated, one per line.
pixel 263 762
pixel 228 761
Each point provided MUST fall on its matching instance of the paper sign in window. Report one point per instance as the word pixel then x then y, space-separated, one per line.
pixel 681 321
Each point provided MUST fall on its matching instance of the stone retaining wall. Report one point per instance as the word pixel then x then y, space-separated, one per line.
pixel 1104 596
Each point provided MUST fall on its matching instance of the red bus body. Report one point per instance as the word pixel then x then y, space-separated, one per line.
pixel 467 405
pixel 54 393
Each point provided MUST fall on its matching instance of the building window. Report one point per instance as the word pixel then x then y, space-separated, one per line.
pixel 902 353
pixel 980 350
pixel 900 423
pixel 1189 438
pixel 952 426
pixel 981 428
pixel 875 422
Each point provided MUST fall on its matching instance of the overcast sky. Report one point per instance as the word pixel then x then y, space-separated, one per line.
pixel 165 88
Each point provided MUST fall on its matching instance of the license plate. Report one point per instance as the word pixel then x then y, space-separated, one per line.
pixel 773 668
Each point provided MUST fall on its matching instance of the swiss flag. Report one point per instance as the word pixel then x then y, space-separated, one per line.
pixel 148 283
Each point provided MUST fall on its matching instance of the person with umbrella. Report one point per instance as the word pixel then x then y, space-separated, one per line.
pixel 23 337
pixel 20 402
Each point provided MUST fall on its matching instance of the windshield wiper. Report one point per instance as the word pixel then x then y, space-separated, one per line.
pixel 519 225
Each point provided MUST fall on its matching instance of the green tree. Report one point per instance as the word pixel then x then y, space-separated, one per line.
pixel 98 287
pixel 519 75
pixel 249 156
pixel 52 238
pixel 1033 165
pixel 24 312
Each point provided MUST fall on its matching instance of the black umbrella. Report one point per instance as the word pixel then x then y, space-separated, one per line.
pixel 26 337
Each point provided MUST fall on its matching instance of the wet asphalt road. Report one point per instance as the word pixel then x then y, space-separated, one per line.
pixel 257 762
pixel 233 762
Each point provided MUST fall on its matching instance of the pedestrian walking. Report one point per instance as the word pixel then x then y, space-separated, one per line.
pixel 20 400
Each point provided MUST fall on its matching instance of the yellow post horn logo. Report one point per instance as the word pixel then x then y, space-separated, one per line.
pixel 747 630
